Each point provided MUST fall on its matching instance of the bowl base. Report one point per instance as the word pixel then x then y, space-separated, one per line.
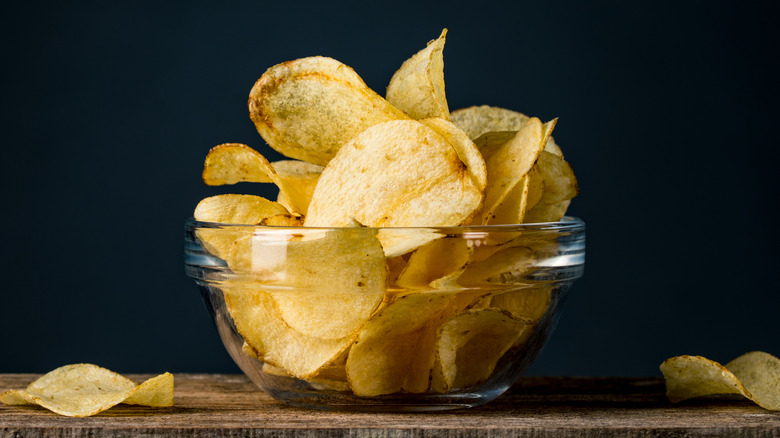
pixel 392 403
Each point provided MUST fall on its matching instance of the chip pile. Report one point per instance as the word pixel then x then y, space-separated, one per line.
pixel 83 390
pixel 376 307
pixel 754 375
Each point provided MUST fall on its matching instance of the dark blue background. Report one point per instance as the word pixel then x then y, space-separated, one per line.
pixel 667 111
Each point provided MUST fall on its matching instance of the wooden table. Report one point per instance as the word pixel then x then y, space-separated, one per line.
pixel 230 405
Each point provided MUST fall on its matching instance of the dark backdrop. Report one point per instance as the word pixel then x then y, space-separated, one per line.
pixel 668 113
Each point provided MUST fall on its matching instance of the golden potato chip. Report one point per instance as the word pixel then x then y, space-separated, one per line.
pixel 397 173
pixel 466 149
pixel 521 199
pixel 524 303
pixel 547 212
pixel 231 163
pixel 754 375
pixel 325 284
pixel 760 373
pixel 82 390
pixel 400 241
pixel 470 345
pixel 156 392
pixel 300 178
pixel 335 283
pixel 258 320
pixel 232 209
pixel 560 186
pixel 553 148
pixel 309 108
pixel 478 120
pixel 511 162
pixel 506 265
pixel 417 88
pixel 393 350
pixel 441 260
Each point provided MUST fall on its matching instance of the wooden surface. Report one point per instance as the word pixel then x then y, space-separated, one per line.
pixel 229 405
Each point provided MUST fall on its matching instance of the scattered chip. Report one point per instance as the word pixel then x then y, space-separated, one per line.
pixel 754 375
pixel 82 390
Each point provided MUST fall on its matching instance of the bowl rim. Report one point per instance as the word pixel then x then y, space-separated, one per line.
pixel 567 223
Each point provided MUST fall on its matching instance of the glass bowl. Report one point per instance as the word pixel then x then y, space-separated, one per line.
pixel 385 319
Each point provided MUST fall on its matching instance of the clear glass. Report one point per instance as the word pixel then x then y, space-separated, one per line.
pixel 321 318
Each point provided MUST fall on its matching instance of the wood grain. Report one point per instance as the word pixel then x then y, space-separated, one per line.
pixel 230 405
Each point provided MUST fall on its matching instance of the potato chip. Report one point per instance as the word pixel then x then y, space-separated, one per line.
pixel 506 265
pixel 258 320
pixel 82 390
pixel 478 120
pixel 325 284
pixel 466 149
pixel 335 283
pixel 397 173
pixel 436 262
pixel 417 88
pixel 553 148
pixel 232 209
pixel 393 349
pixel 560 186
pixel 511 162
pixel 754 375
pixel 231 163
pixel 309 108
pixel 521 199
pixel 524 303
pixel 300 178
pixel 760 373
pixel 470 345
pixel 400 241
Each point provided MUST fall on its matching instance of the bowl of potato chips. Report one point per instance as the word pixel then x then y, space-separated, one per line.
pixel 321 317
pixel 413 258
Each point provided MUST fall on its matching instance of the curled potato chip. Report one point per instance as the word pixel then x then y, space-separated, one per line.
pixel 400 241
pixel 470 344
pixel 258 320
pixel 506 265
pixel 309 108
pixel 417 88
pixel 324 284
pixel 82 390
pixel 436 263
pixel 521 199
pixel 466 149
pixel 560 186
pixel 511 162
pixel 397 173
pixel 299 178
pixel 232 209
pixel 393 349
pixel 754 375
pixel 478 120
pixel 231 163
